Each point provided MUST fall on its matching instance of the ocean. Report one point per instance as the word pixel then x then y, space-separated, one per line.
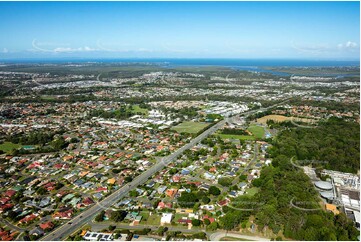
pixel 244 63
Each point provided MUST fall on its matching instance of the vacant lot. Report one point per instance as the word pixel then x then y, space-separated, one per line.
pixel 281 118
pixel 190 127
pixel 7 146
pixel 153 219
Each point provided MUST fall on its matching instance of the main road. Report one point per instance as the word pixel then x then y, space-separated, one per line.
pixel 85 217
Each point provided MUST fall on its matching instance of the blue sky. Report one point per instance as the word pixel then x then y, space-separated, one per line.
pixel 311 30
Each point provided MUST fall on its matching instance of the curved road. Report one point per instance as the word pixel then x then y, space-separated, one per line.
pixel 219 235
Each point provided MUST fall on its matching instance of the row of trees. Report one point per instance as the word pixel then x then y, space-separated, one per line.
pixel 234 131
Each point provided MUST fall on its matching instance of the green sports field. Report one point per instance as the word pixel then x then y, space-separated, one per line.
pixel 257 131
pixel 190 127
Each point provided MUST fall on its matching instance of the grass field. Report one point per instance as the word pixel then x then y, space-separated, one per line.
pixel 252 191
pixel 190 127
pixel 154 219
pixel 257 131
pixel 145 215
pixel 137 109
pixel 48 97
pixel 7 146
pixel 233 136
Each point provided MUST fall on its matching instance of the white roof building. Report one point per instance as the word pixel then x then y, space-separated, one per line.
pixel 166 218
pixel 95 236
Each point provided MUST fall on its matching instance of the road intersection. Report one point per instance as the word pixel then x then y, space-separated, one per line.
pixel 85 217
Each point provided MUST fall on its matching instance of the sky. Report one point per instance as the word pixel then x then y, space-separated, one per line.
pixel 297 30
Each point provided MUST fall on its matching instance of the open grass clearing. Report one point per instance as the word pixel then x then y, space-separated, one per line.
pixel 281 118
pixel 252 191
pixel 7 146
pixel 137 109
pixel 153 219
pixel 190 127
pixel 257 131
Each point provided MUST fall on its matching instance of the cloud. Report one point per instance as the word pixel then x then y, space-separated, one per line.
pixel 37 48
pixel 60 49
pixel 5 51
pixel 311 49
pixel 349 45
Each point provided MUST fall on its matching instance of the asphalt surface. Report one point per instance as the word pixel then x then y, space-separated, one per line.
pixel 77 222
pixel 213 236
pixel 86 217
pixel 218 235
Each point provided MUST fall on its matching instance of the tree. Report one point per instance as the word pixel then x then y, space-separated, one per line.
pixel 256 182
pixel 161 231
pixel 100 217
pixel 213 226
pixel 225 181
pixel 133 193
pixel 187 200
pixel 213 190
pixel 206 221
pixel 58 143
pixel 206 200
pixel 41 191
pixel 196 222
pixel 128 179
pixel 111 227
pixel 118 216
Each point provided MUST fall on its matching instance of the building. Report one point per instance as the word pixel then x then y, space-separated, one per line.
pixel 166 218
pixel 95 236
pixel 323 185
pixel 332 208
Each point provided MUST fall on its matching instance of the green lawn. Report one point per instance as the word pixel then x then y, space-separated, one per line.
pixel 189 127
pixel 234 136
pixel 145 215
pixel 178 216
pixel 137 109
pixel 252 191
pixel 7 146
pixel 48 97
pixel 154 219
pixel 257 131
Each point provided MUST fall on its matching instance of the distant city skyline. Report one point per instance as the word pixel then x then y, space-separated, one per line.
pixel 295 30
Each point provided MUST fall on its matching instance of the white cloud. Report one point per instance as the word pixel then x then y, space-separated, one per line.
pixel 37 48
pixel 312 49
pixel 65 49
pixel 349 45
pixel 5 50
pixel 60 49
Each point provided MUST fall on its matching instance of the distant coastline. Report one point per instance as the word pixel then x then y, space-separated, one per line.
pixel 224 62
